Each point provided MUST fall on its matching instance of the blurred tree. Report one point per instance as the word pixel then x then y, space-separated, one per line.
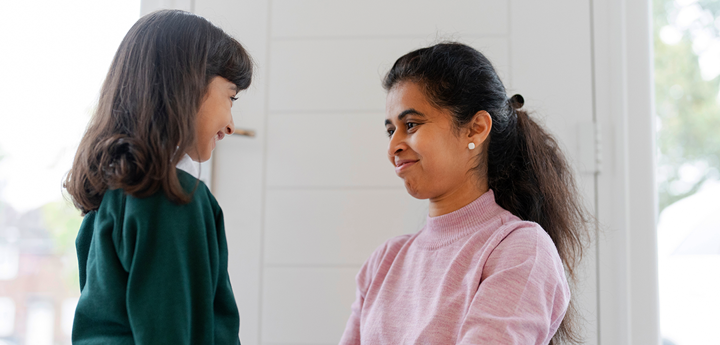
pixel 687 106
pixel 62 222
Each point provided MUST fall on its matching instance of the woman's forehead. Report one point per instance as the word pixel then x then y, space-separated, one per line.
pixel 407 99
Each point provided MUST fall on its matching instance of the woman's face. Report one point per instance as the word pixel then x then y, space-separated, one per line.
pixel 214 119
pixel 427 152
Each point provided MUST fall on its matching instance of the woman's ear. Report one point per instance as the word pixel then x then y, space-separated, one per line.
pixel 479 127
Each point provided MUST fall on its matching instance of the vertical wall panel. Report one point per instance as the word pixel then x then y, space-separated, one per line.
pixel 551 67
pixel 336 227
pixel 323 150
pixel 345 74
pixel 307 305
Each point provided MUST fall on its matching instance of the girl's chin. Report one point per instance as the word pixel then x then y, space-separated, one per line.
pixel 203 156
pixel 206 158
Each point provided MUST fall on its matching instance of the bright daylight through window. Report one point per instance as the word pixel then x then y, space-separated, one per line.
pixel 55 55
pixel 687 82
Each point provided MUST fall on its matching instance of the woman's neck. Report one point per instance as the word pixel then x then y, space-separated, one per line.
pixel 457 198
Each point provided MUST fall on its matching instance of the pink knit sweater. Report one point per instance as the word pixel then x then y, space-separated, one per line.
pixel 478 275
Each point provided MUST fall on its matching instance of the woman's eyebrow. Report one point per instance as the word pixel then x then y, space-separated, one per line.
pixel 409 112
pixel 405 112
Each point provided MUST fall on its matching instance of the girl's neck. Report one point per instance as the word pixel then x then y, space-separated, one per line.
pixel 457 198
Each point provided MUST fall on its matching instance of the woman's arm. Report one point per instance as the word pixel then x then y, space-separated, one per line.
pixel 378 261
pixel 523 294
pixel 351 336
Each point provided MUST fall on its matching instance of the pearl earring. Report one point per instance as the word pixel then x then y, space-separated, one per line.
pixel 471 146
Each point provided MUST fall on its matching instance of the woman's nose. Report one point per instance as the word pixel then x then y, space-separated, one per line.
pixel 396 144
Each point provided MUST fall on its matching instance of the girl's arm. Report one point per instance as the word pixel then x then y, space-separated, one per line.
pixel 523 294
pixel 178 290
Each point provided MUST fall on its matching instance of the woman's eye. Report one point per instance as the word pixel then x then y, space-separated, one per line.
pixel 411 125
pixel 390 132
pixel 234 99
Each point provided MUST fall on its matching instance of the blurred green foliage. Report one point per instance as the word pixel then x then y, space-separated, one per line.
pixel 62 222
pixel 687 107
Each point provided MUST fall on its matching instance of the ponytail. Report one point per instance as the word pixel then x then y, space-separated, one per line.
pixel 523 164
pixel 535 182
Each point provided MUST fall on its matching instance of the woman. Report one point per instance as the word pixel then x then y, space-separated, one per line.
pixel 152 250
pixel 505 220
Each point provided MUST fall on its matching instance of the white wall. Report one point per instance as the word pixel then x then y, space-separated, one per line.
pixel 312 195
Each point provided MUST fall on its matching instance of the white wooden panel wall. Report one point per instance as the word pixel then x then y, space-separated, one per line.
pixel 552 68
pixel 312 195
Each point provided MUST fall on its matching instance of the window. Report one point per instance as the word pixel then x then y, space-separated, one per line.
pixel 55 55
pixel 687 82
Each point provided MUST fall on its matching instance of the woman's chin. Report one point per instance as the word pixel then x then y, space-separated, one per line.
pixel 415 191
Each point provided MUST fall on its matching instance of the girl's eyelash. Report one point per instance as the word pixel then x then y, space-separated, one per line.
pixel 234 99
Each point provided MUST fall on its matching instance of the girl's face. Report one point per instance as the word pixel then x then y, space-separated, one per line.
pixel 426 150
pixel 214 119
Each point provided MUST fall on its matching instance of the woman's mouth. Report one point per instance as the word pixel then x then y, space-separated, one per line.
pixel 403 165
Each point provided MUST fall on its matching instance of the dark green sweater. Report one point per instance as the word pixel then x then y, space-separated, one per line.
pixel 154 272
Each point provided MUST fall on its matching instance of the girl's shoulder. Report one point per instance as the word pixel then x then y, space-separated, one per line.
pixel 131 221
pixel 159 201
pixel 157 214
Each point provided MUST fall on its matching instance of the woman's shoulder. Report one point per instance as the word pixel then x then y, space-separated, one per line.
pixel 393 245
pixel 519 241
pixel 387 251
pixel 518 231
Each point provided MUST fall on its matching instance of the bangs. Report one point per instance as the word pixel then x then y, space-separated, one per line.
pixel 228 59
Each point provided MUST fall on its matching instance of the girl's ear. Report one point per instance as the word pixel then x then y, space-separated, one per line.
pixel 479 127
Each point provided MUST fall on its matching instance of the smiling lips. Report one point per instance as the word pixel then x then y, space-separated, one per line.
pixel 219 136
pixel 403 164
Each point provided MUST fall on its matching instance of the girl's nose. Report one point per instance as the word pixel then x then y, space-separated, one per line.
pixel 230 128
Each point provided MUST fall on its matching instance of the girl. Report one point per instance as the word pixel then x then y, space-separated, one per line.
pixel 504 215
pixel 152 249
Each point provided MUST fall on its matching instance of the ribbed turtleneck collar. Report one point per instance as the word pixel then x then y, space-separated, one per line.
pixel 447 228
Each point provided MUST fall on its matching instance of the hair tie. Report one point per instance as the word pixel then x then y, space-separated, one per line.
pixel 517 101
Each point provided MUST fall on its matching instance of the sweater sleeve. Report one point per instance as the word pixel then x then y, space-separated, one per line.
pixel 369 271
pixel 172 254
pixel 351 336
pixel 523 293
